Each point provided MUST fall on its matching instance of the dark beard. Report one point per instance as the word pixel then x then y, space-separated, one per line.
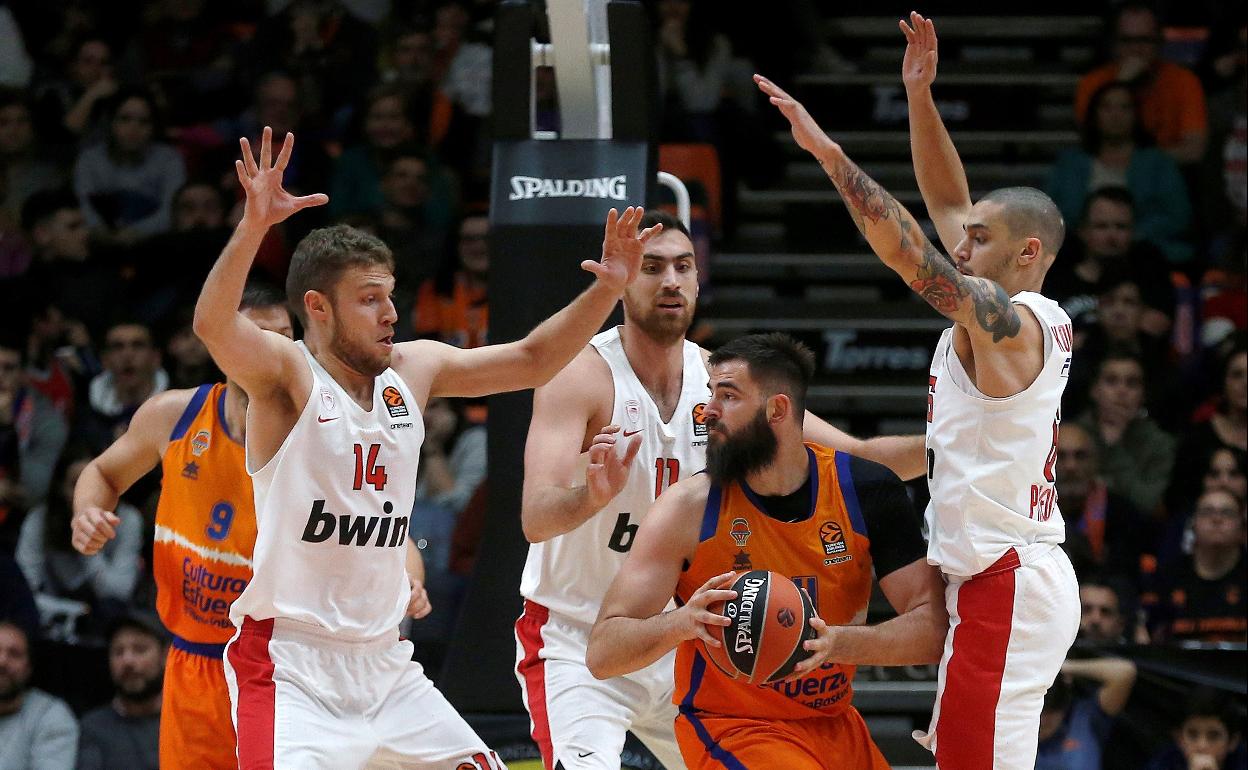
pixel 736 455
pixel 365 364
pixel 147 688
pixel 663 329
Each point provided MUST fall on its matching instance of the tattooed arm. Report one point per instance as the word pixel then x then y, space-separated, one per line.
pixel 980 305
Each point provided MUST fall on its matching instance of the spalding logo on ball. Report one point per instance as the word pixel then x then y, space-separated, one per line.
pixel 764 641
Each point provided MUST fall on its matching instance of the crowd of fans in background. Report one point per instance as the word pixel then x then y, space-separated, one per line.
pixel 117 192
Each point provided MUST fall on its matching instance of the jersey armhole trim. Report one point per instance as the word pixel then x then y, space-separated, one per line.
pixel 845 478
pixel 192 410
pixel 710 514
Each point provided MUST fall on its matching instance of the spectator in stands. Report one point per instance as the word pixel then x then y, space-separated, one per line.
pixel 415 220
pixel 330 53
pixel 1104 531
pixel 1201 596
pixel 132 374
pixel 1172 101
pixel 355 187
pixel 59 357
pixel 126 732
pixel 1224 170
pixel 39 431
pixel 25 168
pixel 1116 152
pixel 69 107
pixel 1073 729
pixel 453 307
pixel 1103 619
pixel 78 596
pixel 1222 424
pixel 1119 315
pixel 126 183
pixel 65 271
pixel 1226 472
pixel 37 731
pixel 464 67
pixel 17 602
pixel 189 363
pixel 453 464
pixel 162 286
pixel 284 103
pixel 1136 455
pixel 1107 240
pixel 1207 738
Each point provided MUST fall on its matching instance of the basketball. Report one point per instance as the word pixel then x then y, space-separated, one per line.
pixel 770 621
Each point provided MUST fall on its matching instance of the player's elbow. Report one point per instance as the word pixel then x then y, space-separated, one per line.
pixel 597 660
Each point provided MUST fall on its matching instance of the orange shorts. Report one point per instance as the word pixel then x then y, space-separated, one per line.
pixel 196 731
pixel 710 742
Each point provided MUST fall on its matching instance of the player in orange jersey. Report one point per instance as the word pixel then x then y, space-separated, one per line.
pixel 205 532
pixel 769 501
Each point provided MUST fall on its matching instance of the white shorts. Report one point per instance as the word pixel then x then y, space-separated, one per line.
pixel 1010 628
pixel 303 699
pixel 580 722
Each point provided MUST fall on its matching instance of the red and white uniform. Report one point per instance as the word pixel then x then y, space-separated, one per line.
pixel 318 675
pixel 576 719
pixel 994 528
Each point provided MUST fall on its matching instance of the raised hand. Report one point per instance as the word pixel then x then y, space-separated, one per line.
pixel 918 66
pixel 622 247
pixel 607 471
pixel 806 131
pixel 267 202
pixel 92 529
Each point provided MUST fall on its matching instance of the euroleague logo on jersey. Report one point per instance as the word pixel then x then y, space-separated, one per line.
pixel 833 538
pixel 699 420
pixel 394 402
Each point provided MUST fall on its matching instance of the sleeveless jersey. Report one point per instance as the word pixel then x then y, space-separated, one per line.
pixel 570 574
pixel 205 523
pixel 827 554
pixel 992 461
pixel 332 508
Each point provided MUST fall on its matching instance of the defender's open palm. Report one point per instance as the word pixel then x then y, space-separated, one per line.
pixel 622 247
pixel 809 136
pixel 608 471
pixel 918 66
pixel 267 202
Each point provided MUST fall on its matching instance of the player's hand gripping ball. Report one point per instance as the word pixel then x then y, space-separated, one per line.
pixel 770 622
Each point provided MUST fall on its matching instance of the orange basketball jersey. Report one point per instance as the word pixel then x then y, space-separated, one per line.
pixel 205 525
pixel 826 554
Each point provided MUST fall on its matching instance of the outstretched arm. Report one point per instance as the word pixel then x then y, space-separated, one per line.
pixel 532 361
pixel 903 455
pixel 942 180
pixel 980 305
pixel 256 359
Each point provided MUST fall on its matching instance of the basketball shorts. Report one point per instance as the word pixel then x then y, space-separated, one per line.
pixel 305 699
pixel 711 742
pixel 196 732
pixel 1010 628
pixel 580 722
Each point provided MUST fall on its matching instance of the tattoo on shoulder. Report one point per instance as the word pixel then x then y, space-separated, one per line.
pixel 944 288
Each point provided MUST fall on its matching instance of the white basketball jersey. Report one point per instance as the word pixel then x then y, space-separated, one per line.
pixel 570 573
pixel 991 461
pixel 332 508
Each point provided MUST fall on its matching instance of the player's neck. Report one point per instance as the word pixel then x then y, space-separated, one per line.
pixel 785 474
pixel 358 386
pixel 658 365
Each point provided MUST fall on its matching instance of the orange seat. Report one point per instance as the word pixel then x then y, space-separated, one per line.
pixel 696 163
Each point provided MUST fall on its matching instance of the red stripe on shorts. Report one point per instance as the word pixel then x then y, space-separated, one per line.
pixel 533 668
pixel 966 729
pixel 253 670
